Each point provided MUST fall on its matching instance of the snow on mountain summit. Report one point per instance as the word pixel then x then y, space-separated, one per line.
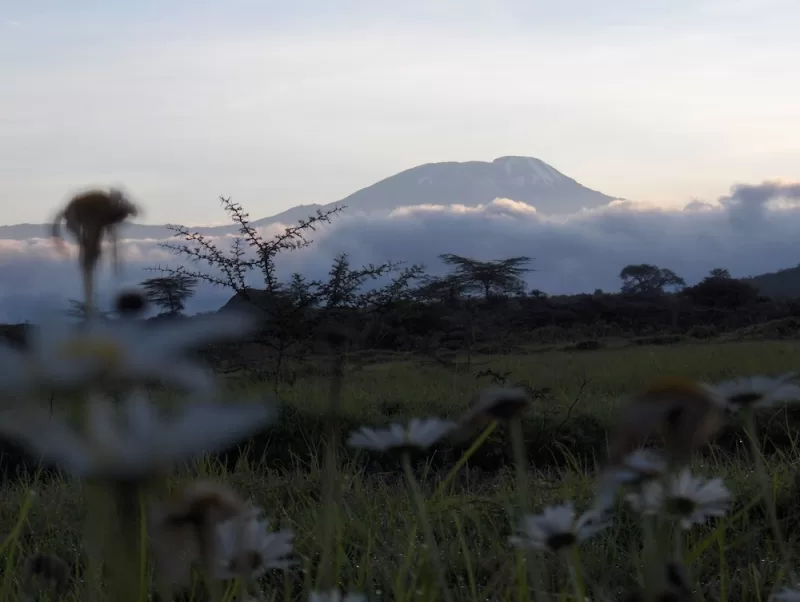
pixel 473 183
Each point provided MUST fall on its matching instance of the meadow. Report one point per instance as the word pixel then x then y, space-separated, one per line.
pixel 381 550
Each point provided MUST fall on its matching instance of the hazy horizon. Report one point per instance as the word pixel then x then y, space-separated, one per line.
pixel 686 108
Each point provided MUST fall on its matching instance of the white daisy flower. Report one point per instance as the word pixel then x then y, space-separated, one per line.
pixel 60 355
pixel 335 596
pixel 637 468
pixel 132 440
pixel 787 594
pixel 756 391
pixel 557 527
pixel 420 433
pixel 501 403
pixel 691 499
pixel 245 546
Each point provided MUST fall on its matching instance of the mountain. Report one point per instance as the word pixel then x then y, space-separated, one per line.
pixel 470 183
pixel 781 284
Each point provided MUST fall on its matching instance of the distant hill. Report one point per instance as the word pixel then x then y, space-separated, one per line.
pixel 783 283
pixel 471 183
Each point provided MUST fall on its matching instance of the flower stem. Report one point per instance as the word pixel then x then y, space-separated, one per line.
pixel 440 490
pixel 433 549
pixel 766 486
pixel 650 552
pixel 576 573
pixel 520 464
pixel 88 291
pixel 125 582
pixel 521 473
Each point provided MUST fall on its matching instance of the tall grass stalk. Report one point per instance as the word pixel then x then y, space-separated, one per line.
pixel 9 546
pixel 465 457
pixel 422 514
pixel 327 578
pixel 765 486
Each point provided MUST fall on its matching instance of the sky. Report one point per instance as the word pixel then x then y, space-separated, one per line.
pixel 686 108
pixel 279 104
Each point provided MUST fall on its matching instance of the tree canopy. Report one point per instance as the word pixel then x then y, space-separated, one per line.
pixel 499 276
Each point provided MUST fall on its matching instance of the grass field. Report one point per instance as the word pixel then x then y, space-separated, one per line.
pixel 380 547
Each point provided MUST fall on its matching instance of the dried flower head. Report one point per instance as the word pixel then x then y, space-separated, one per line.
pixel 132 441
pixel 558 527
pixel 691 500
pixel 418 434
pixel 89 216
pixel 685 413
pixel 756 391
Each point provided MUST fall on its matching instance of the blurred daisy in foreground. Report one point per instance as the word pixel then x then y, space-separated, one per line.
pixel 419 433
pixel 500 403
pixel 335 596
pixel 132 440
pixel 692 500
pixel 63 356
pixel 558 527
pixel 787 594
pixel 245 547
pixel 182 529
pixel 635 469
pixel 756 391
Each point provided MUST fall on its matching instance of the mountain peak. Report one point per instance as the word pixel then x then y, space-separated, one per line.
pixel 471 183
pixel 525 179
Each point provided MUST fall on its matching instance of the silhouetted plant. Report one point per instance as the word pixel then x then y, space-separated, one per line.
pixel 170 292
pixel 293 312
pixel 647 279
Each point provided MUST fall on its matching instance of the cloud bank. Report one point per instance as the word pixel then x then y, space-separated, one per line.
pixel 750 231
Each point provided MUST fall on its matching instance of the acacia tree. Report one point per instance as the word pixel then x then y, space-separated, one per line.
pixel 447 290
pixel 648 279
pixel 292 312
pixel 170 292
pixel 499 276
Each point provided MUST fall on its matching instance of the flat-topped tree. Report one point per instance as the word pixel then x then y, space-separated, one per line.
pixel 648 279
pixel 498 276
pixel 170 292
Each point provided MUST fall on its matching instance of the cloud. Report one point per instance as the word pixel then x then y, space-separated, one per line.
pixel 749 231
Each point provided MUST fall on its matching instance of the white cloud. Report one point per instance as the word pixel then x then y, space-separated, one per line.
pixel 752 230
